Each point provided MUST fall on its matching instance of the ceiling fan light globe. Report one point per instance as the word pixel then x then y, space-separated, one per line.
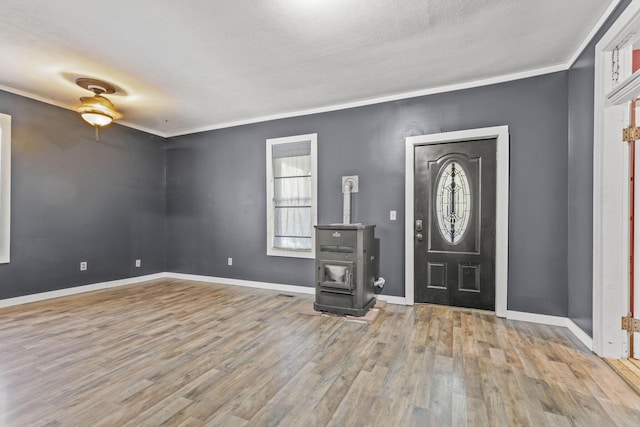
pixel 97 110
pixel 96 118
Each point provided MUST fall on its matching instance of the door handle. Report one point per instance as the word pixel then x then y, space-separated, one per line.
pixel 419 237
pixel 419 225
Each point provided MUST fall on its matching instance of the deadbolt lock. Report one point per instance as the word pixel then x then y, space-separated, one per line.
pixel 419 225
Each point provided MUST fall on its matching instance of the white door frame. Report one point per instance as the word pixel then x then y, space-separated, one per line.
pixel 501 133
pixel 610 188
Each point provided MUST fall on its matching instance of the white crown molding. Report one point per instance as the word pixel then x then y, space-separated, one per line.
pixel 371 101
pixel 414 94
pixel 607 13
pixel 78 290
pixel 50 101
pixel 35 97
pixel 142 128
pixel 379 100
pixel 326 109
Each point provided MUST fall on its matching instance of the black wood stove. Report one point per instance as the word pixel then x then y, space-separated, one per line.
pixel 347 268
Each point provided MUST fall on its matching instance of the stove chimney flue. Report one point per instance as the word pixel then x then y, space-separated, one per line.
pixel 349 185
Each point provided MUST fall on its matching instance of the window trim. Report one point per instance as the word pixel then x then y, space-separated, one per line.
pixel 5 187
pixel 292 253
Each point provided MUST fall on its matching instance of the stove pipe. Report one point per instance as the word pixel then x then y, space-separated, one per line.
pixel 346 205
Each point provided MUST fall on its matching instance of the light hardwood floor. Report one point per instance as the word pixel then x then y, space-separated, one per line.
pixel 180 353
pixel 629 369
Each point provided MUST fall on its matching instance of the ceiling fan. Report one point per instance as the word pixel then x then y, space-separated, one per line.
pixel 97 110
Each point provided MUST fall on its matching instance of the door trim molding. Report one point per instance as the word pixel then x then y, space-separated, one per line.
pixel 501 133
pixel 610 191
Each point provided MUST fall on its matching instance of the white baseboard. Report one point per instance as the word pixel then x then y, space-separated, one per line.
pixel 553 321
pixel 392 299
pixel 512 315
pixel 537 318
pixel 78 290
pixel 580 334
pixel 246 283
pixel 198 278
pixel 268 285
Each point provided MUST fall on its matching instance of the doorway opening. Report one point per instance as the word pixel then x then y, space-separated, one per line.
pixel 501 136
pixel 616 87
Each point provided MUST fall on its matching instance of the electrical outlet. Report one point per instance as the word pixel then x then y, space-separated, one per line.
pixel 392 215
pixel 83 266
pixel 138 263
pixel 229 261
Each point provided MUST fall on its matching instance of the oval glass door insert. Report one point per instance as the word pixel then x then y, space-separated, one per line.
pixel 453 202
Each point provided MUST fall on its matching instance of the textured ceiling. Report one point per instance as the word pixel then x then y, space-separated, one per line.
pixel 181 67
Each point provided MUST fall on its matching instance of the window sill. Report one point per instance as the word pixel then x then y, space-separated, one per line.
pixel 310 254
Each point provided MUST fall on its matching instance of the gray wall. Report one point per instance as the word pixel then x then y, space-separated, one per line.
pixel 580 168
pixel 74 199
pixel 216 186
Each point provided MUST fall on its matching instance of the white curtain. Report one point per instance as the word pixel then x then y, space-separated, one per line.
pixel 292 195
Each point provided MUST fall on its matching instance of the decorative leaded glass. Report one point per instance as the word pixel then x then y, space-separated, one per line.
pixel 453 202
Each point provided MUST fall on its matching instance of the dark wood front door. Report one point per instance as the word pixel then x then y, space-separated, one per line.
pixel 455 223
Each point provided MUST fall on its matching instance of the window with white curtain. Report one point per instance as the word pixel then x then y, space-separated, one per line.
pixel 291 195
pixel 5 186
